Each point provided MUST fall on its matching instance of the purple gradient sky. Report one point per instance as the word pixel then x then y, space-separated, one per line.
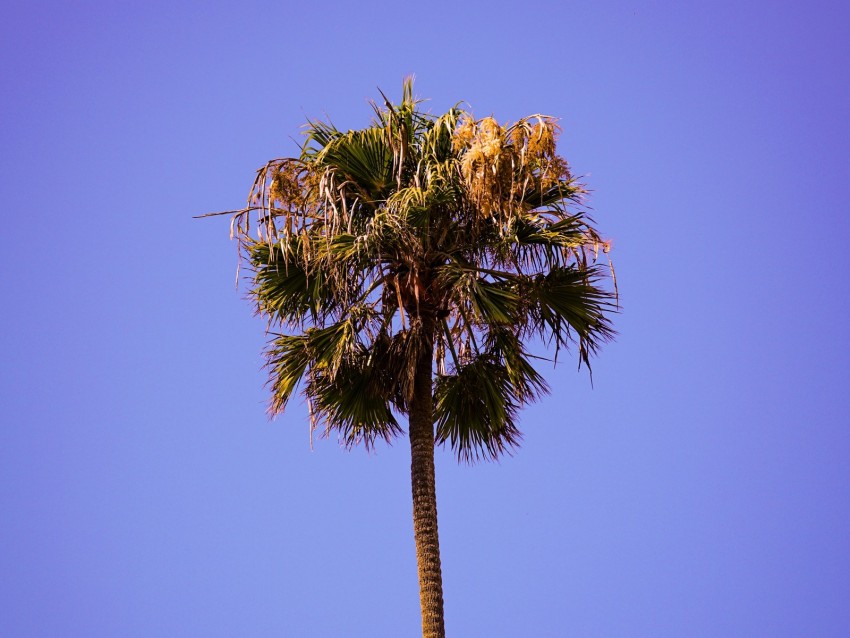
pixel 701 489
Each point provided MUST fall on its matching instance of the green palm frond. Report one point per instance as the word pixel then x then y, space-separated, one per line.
pixel 352 401
pixel 528 384
pixel 363 158
pixel 287 360
pixel 492 303
pixel 566 305
pixel 330 347
pixel 282 289
pixel 475 410
pixel 318 135
pixel 436 143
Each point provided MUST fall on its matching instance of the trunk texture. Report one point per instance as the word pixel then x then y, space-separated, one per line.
pixel 424 493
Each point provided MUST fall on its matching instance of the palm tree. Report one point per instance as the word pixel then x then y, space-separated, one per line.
pixel 403 269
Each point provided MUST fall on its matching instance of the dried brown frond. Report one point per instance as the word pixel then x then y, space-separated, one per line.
pixel 464 133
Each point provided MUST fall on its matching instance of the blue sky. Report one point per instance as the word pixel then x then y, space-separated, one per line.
pixel 700 488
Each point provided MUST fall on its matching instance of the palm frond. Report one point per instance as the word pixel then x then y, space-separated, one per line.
pixel 361 157
pixel 475 410
pixel 567 306
pixel 492 303
pixel 352 400
pixel 283 290
pixel 287 360
pixel 528 384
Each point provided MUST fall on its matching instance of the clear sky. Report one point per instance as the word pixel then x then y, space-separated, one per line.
pixel 700 488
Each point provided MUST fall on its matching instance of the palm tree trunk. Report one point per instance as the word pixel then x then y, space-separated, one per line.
pixel 424 493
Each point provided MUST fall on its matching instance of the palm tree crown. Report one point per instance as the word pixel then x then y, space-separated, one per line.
pixel 475 227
